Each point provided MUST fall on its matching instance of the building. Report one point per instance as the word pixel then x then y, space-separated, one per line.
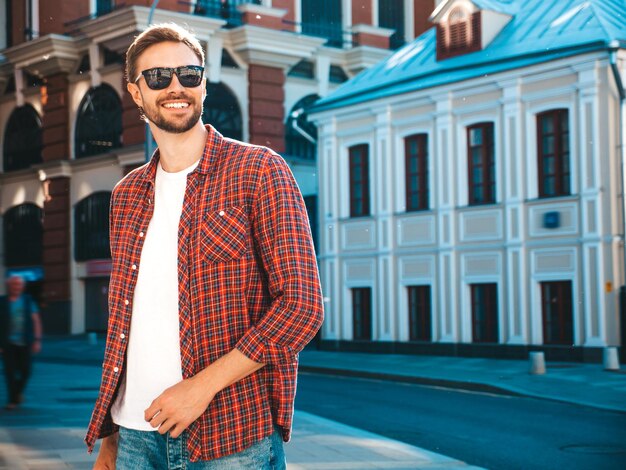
pixel 471 186
pixel 69 131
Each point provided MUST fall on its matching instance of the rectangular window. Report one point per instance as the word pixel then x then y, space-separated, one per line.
pixel 362 313
pixel 391 15
pixel 103 7
pixel 416 172
pixel 359 181
pixel 484 313
pixel 322 18
pixel 558 318
pixel 481 164
pixel 553 153
pixel 419 313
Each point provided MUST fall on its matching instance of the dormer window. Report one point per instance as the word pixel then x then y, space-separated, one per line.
pixel 458 29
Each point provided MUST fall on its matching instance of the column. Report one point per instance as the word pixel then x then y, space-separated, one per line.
pixel 515 281
pixel 267 114
pixel 445 197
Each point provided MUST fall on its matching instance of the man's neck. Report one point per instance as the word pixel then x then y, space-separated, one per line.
pixel 180 151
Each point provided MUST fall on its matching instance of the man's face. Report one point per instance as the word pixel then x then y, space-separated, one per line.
pixel 16 286
pixel 175 109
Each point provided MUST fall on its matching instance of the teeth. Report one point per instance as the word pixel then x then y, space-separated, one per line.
pixel 176 105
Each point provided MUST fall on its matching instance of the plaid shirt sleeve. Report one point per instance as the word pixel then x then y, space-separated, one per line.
pixel 281 232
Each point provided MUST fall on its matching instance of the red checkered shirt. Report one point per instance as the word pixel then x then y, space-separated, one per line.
pixel 247 279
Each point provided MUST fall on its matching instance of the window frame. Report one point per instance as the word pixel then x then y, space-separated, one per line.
pixel 488 334
pixel 25 246
pixel 422 173
pixel 362 314
pixel 562 160
pixel 487 163
pixel 91 239
pixel 359 151
pixel 420 319
pixel 82 137
pixel 34 138
pixel 565 308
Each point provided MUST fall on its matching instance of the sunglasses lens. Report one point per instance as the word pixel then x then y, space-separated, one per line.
pixel 158 78
pixel 189 76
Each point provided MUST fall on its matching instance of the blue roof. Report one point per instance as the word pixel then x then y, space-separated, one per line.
pixel 539 31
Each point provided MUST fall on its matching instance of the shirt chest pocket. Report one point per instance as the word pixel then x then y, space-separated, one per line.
pixel 224 234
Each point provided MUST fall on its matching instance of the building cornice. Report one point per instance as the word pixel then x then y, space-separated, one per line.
pixel 363 57
pixel 45 56
pixel 373 30
pixel 263 46
pixel 52 170
pixel 117 30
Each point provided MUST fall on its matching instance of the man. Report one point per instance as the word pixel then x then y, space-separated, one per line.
pixel 20 336
pixel 214 286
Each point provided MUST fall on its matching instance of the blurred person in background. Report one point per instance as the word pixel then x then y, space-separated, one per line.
pixel 20 337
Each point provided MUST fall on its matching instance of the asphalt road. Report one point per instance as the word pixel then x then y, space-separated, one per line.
pixel 490 431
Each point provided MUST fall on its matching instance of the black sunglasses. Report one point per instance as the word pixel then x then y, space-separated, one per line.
pixel 158 78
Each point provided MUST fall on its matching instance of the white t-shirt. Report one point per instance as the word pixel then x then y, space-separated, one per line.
pixel 153 355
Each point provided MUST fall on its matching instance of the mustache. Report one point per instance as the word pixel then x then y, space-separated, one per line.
pixel 177 96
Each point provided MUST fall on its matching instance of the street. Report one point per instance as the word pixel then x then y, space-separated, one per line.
pixel 486 430
pixel 47 431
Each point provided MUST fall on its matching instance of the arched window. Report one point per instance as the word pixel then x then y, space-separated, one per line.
pixel 300 134
pixel 99 122
pixel 22 139
pixel 91 227
pixel 222 111
pixel 23 235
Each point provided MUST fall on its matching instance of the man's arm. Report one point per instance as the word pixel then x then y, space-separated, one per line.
pixel 37 331
pixel 107 453
pixel 180 405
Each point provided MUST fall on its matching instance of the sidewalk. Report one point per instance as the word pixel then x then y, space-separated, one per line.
pixel 47 432
pixel 581 384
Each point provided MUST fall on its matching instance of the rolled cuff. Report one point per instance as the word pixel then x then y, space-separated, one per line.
pixel 259 349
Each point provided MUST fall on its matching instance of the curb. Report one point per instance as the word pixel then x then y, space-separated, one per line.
pixel 450 384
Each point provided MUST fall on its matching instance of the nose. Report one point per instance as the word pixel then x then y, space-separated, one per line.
pixel 175 84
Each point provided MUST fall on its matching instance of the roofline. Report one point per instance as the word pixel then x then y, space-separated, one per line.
pixel 589 47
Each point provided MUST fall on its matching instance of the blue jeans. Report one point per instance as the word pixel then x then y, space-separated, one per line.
pixel 146 450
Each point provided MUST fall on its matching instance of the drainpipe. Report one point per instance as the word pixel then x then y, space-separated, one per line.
pixel 613 48
pixel 152 8
pixel 148 147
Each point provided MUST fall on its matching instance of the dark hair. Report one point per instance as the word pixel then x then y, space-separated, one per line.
pixel 155 34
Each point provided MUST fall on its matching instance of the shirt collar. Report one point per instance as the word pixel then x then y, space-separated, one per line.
pixel 212 151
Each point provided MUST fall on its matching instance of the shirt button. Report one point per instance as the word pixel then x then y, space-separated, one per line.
pixel 116 370
pixel 141 234
pixel 134 266
pixel 122 336
pixel 222 213
pixel 126 302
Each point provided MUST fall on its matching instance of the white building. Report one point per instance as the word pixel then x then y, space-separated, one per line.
pixel 471 185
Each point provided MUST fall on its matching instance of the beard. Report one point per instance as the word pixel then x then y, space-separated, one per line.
pixel 155 115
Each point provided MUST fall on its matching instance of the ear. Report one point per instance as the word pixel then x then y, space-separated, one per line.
pixel 203 85
pixel 135 93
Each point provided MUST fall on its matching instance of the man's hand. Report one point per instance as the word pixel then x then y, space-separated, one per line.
pixel 178 406
pixel 107 454
pixel 36 347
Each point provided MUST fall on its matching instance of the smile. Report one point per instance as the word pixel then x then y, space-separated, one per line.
pixel 176 105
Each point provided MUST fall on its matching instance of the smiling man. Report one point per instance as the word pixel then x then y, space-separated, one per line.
pixel 214 288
